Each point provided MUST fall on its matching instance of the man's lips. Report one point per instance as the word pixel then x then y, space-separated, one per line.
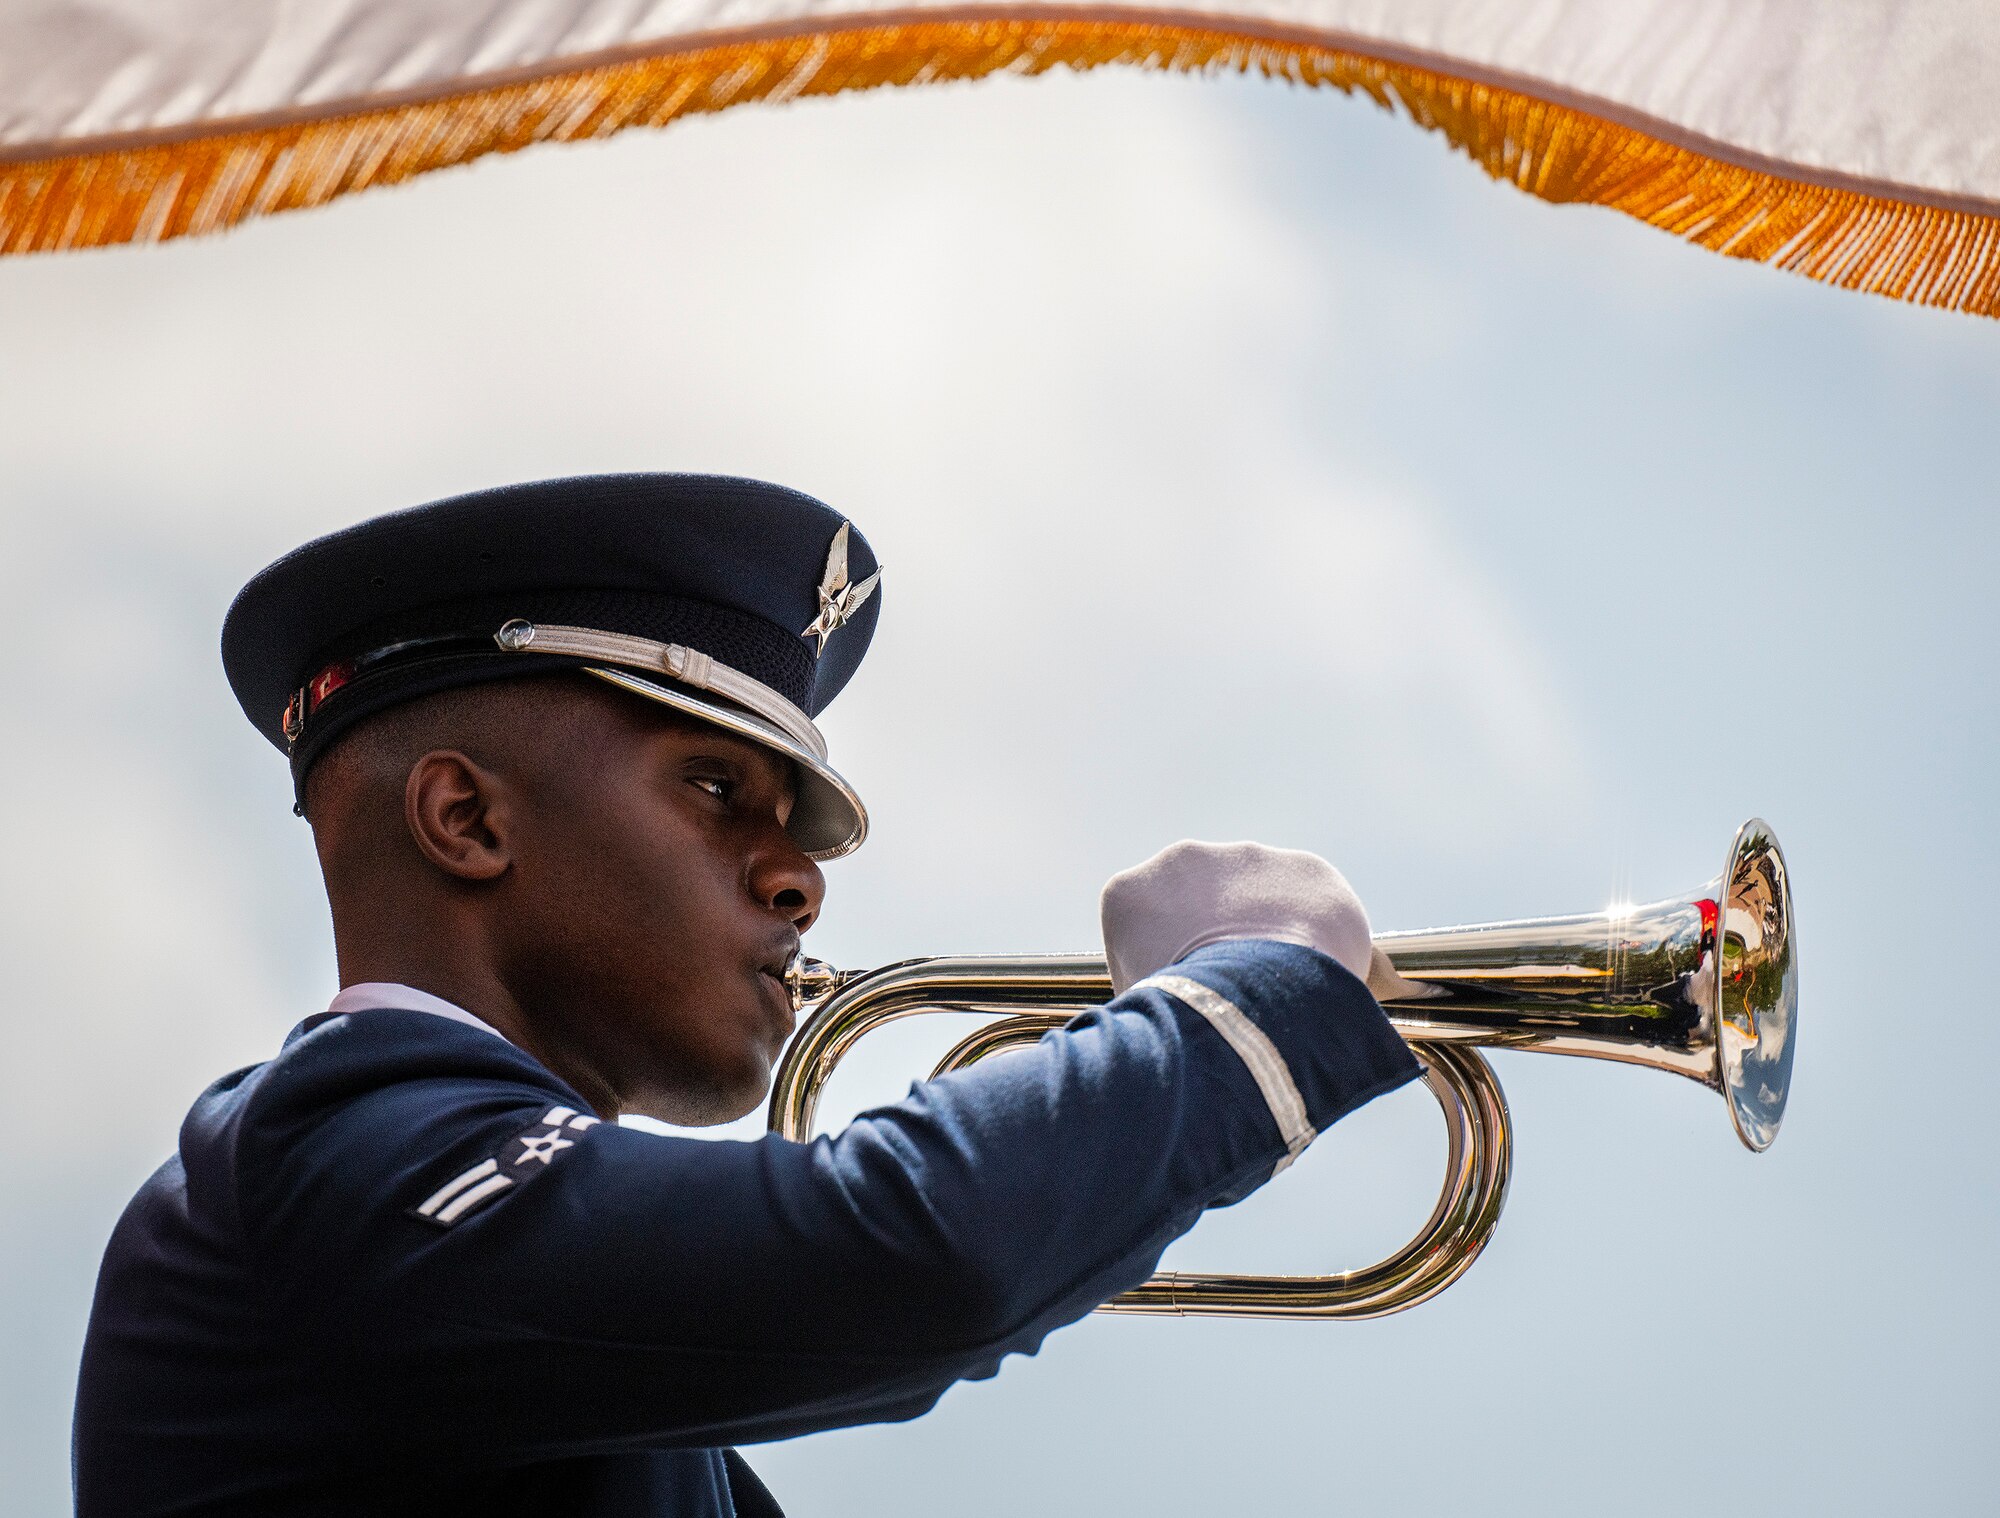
pixel 779 966
pixel 775 967
pixel 774 970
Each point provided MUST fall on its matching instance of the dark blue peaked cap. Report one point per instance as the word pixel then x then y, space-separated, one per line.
pixel 745 604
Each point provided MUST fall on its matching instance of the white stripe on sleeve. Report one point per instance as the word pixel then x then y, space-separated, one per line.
pixel 469 1199
pixel 1267 1067
pixel 455 1185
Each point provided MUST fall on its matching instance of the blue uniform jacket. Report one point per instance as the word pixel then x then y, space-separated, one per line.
pixel 398 1269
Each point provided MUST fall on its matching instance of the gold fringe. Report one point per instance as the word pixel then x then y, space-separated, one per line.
pixel 1931 255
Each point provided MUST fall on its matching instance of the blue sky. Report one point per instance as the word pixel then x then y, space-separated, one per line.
pixel 1246 465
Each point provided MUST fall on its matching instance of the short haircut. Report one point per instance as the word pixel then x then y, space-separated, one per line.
pixel 488 723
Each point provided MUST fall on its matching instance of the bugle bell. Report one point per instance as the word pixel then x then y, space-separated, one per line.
pixel 1703 985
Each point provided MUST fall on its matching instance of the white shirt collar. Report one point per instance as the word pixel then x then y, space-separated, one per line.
pixel 386 995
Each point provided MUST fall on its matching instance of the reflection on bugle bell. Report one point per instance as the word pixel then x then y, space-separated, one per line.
pixel 1704 985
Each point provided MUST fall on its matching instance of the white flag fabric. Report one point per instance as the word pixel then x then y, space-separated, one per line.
pixel 1857 142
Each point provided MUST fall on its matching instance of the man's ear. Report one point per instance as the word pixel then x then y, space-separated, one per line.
pixel 456 812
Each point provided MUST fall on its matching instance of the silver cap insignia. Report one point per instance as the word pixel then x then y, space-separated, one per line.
pixel 838 600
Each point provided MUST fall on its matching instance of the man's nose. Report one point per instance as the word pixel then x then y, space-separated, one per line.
pixel 785 880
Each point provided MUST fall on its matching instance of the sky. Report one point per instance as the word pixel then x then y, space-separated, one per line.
pixel 1246 465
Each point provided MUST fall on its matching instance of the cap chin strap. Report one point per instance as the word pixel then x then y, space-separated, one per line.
pixel 686 666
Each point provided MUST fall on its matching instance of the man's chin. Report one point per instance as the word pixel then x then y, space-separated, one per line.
pixel 717 1102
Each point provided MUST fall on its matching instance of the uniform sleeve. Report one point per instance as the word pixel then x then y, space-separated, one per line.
pixel 578 1287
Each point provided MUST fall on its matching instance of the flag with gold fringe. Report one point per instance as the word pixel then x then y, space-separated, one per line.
pixel 1856 142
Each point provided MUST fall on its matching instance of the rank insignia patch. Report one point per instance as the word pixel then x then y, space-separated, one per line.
pixel 528 1153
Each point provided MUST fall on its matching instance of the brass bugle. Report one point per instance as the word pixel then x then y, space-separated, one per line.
pixel 1704 985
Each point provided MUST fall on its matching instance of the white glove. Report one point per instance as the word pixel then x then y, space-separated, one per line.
pixel 1195 894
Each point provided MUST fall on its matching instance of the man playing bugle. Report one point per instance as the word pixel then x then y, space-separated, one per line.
pixel 556 746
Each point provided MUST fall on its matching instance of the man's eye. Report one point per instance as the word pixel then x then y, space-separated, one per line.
pixel 719 789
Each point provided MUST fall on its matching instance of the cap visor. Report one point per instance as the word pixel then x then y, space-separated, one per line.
pixel 827 819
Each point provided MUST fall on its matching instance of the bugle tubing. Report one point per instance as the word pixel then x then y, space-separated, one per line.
pixel 1703 985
